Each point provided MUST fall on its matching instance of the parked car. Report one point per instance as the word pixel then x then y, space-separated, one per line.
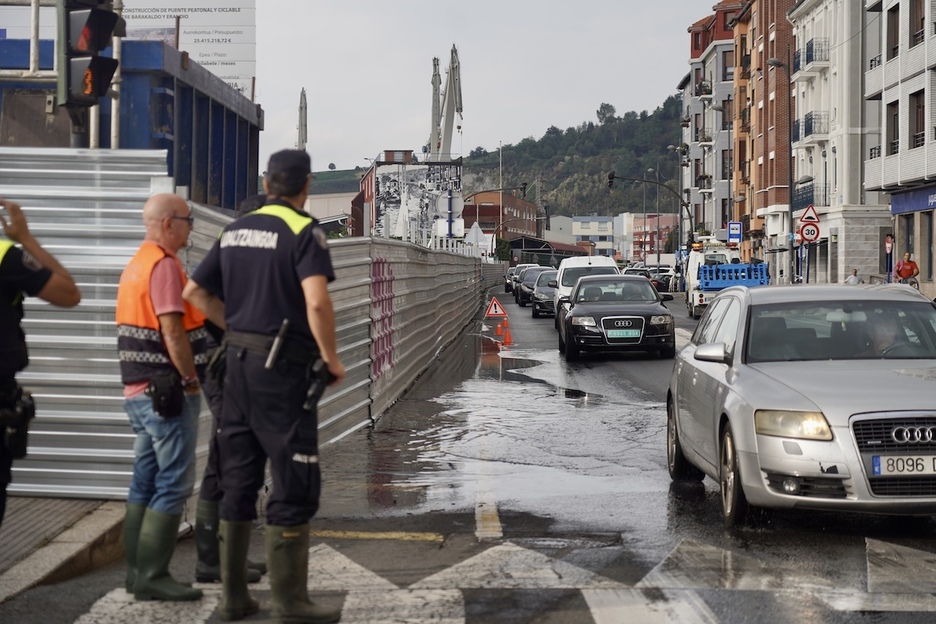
pixel 508 279
pixel 527 283
pixel 542 302
pixel 515 278
pixel 615 313
pixel 814 397
pixel 636 271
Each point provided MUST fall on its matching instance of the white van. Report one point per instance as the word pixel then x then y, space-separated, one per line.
pixel 571 269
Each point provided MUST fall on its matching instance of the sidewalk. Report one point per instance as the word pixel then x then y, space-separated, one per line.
pixel 47 540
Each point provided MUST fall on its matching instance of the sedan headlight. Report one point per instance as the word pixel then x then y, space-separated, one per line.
pixel 584 321
pixel 787 424
pixel 661 319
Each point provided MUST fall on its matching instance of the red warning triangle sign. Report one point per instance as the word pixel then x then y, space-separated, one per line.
pixel 809 215
pixel 495 309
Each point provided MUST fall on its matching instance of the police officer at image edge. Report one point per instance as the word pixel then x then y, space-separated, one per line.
pixel 28 270
pixel 265 282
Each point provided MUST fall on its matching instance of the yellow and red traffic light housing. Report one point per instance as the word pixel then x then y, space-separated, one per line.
pixel 85 30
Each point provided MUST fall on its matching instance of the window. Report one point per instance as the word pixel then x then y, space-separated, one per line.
pixel 726 165
pixel 893 32
pixel 906 232
pixel 728 329
pixel 728 66
pixel 706 330
pixel 917 27
pixel 893 128
pixel 917 119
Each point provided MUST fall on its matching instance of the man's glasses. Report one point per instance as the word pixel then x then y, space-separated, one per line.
pixel 190 219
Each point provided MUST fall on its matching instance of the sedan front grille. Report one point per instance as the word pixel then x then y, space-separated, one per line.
pixel 624 324
pixel 877 435
pixel 896 436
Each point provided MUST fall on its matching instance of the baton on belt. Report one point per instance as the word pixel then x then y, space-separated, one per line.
pixel 277 344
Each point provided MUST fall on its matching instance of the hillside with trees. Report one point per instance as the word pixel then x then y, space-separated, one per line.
pixel 568 170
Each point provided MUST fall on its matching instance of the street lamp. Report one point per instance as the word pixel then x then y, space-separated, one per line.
pixel 656 237
pixel 725 110
pixel 775 62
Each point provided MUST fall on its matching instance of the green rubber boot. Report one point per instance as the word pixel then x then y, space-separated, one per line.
pixel 208 566
pixel 287 551
pixel 158 536
pixel 236 603
pixel 133 519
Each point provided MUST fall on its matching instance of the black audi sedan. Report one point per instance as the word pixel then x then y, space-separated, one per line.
pixel 615 313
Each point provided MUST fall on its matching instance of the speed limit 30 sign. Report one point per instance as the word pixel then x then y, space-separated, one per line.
pixel 809 232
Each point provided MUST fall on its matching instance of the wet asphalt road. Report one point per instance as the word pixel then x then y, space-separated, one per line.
pixel 510 486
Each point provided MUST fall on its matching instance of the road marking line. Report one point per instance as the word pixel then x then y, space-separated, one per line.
pixel 413 606
pixel 487 522
pixel 635 606
pixel 508 566
pixel 118 607
pixel 381 535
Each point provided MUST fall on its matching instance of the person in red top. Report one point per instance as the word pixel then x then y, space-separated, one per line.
pixel 906 270
pixel 159 337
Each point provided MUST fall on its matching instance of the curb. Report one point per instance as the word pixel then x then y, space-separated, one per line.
pixel 92 542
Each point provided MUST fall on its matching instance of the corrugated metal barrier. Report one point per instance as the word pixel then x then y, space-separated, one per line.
pixel 396 306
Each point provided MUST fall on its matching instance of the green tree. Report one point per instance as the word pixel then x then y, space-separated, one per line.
pixel 606 114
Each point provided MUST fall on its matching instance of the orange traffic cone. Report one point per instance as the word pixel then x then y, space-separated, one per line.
pixel 506 324
pixel 507 339
pixel 499 331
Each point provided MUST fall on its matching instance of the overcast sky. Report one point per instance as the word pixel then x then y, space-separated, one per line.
pixel 366 67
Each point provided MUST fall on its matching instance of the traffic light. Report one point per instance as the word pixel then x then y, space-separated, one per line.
pixel 611 180
pixel 85 28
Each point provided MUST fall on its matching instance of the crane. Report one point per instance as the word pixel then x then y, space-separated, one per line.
pixel 443 116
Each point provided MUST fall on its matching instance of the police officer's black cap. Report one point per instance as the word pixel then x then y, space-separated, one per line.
pixel 290 166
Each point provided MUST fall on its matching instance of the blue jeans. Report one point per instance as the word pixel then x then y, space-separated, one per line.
pixel 164 454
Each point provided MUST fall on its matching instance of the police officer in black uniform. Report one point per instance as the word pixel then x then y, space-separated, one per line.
pixel 29 270
pixel 265 282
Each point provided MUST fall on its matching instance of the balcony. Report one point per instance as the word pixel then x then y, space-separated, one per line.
pixel 744 170
pixel 875 152
pixel 703 89
pixel 816 125
pixel 684 122
pixel 817 50
pixel 702 135
pixel 746 66
pixel 810 194
pixel 703 182
pixel 745 117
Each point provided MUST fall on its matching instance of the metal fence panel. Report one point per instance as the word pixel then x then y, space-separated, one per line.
pixel 396 305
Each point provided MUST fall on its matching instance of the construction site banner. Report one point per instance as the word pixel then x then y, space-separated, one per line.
pixel 218 34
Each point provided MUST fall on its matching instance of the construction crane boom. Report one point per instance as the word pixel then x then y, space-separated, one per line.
pixel 443 120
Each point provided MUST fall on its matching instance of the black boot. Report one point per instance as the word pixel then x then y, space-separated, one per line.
pixel 236 603
pixel 288 557
pixel 158 535
pixel 208 568
pixel 133 520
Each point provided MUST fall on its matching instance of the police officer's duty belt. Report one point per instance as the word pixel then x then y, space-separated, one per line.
pixel 260 344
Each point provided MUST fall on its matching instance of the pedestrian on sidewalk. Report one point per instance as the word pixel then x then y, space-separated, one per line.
pixel 208 564
pixel 161 341
pixel 906 270
pixel 853 278
pixel 266 283
pixel 25 270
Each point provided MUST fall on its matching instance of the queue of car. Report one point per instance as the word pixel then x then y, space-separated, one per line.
pixel 815 397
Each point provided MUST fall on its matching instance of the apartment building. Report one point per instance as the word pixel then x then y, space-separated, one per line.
pixel 834 129
pixel 598 231
pixel 706 152
pixel 900 79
